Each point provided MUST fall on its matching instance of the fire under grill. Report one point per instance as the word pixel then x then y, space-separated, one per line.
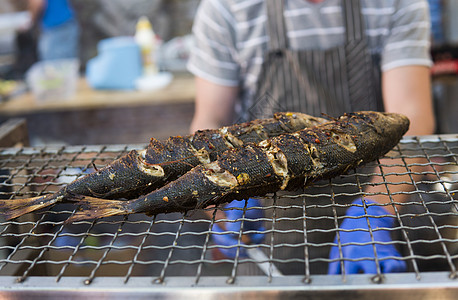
pixel 39 252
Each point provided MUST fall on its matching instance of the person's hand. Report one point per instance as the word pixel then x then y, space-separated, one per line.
pixel 234 212
pixel 357 220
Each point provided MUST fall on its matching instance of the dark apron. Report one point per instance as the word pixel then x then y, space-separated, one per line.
pixel 333 81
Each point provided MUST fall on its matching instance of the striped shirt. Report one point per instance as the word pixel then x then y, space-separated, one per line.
pixel 231 37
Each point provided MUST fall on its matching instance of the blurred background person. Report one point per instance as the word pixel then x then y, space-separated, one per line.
pixel 59 30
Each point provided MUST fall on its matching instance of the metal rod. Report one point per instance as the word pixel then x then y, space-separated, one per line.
pixel 306 248
pixel 161 277
pixel 231 279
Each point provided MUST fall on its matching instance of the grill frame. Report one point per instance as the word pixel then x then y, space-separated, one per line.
pixel 401 286
pixel 27 166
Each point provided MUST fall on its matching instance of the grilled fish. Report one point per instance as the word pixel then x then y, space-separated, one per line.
pixel 140 172
pixel 285 162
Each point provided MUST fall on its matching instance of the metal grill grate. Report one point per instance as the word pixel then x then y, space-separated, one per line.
pixel 300 227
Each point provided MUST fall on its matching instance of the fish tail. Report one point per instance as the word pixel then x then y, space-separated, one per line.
pixel 94 208
pixel 14 208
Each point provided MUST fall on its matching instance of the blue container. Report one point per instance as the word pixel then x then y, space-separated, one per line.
pixel 117 66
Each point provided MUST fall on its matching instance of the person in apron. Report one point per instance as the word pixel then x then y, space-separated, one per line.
pixel 333 81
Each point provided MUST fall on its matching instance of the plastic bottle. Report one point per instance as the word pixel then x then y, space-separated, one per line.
pixel 146 39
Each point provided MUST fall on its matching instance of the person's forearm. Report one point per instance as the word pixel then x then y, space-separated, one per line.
pixel 214 105
pixel 407 90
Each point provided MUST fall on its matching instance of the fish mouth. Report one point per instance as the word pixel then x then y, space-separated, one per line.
pixel 396 122
pixel 397 119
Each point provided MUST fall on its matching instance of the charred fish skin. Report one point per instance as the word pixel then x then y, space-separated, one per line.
pixel 286 123
pixel 352 140
pixel 216 141
pixel 311 154
pixel 143 171
pixel 178 155
pixel 126 177
pixel 205 184
pixel 140 172
pixel 181 195
pixel 279 163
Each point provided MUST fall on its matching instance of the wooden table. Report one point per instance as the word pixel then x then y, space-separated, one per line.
pixel 107 117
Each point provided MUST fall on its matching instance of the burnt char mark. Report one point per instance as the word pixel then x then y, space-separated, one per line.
pixel 339 146
pixel 292 122
pixel 277 128
pixel 114 180
pixel 217 141
pixel 326 149
pixel 249 134
pixel 261 129
pixel 182 157
pixel 249 165
pixel 353 139
pixel 314 137
pixel 285 122
pixel 192 190
pixel 367 117
pixel 210 140
pixel 297 153
pixel 156 152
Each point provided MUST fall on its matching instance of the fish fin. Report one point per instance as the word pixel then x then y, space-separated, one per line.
pixel 14 208
pixel 95 208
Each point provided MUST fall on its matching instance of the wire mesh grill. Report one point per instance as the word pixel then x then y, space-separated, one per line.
pixel 299 227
